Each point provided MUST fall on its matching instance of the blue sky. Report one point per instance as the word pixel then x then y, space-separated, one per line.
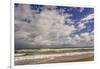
pixel 77 15
pixel 75 24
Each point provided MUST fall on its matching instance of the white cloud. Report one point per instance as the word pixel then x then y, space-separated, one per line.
pixel 87 36
pixel 90 16
pixel 47 27
pixel 70 9
pixel 68 30
pixel 81 9
pixel 69 21
pixel 85 20
pixel 81 26
pixel 84 39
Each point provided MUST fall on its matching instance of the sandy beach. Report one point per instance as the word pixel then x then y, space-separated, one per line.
pixel 54 58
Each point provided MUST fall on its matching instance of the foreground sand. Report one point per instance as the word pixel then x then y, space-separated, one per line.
pixel 54 58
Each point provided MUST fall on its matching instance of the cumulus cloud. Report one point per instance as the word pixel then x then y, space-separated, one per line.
pixel 47 27
pixel 84 39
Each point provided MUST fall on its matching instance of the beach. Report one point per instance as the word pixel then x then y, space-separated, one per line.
pixel 43 56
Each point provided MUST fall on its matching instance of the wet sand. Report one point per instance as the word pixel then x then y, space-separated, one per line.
pixel 57 59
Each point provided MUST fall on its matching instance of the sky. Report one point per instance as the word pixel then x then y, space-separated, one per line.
pixel 53 25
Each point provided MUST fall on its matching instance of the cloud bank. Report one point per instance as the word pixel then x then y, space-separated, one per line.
pixel 48 28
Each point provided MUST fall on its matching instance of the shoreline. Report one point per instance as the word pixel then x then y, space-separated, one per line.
pixel 57 59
